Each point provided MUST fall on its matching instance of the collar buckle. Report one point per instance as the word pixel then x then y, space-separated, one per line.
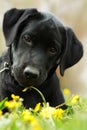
pixel 5 67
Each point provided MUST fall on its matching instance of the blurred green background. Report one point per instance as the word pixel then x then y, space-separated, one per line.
pixel 72 13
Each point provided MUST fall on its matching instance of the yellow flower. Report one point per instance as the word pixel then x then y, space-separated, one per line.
pixel 27 116
pixel 12 104
pixel 75 99
pixel 37 107
pixel 35 125
pixel 1 113
pixel 59 113
pixel 66 91
pixel 15 97
pixel 47 111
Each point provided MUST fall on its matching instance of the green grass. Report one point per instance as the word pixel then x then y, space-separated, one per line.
pixel 44 117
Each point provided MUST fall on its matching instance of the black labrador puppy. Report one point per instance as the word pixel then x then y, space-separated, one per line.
pixel 37 43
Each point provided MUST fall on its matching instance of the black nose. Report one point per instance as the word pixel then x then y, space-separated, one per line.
pixel 31 72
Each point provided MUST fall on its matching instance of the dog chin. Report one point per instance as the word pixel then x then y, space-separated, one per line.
pixel 28 84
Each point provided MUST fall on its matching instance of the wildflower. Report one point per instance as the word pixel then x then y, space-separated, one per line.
pixel 15 97
pixel 12 104
pixel 75 99
pixel 1 113
pixel 37 107
pixel 35 125
pixel 26 114
pixel 47 112
pixel 66 91
pixel 59 113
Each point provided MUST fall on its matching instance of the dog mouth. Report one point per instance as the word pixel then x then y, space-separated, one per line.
pixel 30 76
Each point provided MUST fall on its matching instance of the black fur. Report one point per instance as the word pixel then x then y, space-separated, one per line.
pixel 37 43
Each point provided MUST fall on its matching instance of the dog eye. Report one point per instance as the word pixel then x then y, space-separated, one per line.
pixel 27 39
pixel 52 50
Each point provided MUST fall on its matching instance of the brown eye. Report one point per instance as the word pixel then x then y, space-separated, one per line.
pixel 27 39
pixel 52 50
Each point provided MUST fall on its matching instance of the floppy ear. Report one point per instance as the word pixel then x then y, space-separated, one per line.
pixel 73 51
pixel 13 20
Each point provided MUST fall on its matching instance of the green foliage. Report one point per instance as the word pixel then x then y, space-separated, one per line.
pixel 44 117
pixel 2 103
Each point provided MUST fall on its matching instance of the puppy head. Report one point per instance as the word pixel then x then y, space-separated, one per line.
pixel 39 44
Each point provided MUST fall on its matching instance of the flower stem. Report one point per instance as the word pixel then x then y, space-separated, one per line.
pixel 43 98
